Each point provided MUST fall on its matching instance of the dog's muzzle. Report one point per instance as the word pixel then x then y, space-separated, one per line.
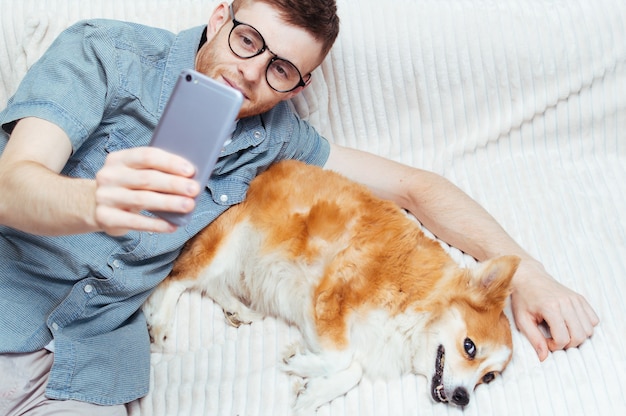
pixel 460 397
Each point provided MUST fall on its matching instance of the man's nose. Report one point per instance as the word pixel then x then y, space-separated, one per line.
pixel 254 68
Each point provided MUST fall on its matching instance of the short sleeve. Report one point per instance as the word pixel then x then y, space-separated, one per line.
pixel 70 85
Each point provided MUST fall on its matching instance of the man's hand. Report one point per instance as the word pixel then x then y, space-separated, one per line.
pixel 142 178
pixel 538 298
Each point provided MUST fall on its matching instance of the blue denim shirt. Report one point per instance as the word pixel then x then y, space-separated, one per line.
pixel 106 84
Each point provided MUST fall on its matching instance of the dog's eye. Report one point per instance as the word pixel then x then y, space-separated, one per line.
pixel 470 348
pixel 488 378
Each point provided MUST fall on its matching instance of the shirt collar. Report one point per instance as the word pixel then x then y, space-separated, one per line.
pixel 182 56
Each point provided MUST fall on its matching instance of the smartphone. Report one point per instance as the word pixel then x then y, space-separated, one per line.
pixel 196 122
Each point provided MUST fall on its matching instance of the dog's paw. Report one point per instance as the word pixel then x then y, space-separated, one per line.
pixel 158 335
pixel 321 390
pixel 300 361
pixel 160 311
pixel 292 355
pixel 292 351
pixel 306 402
pixel 159 325
pixel 299 386
pixel 242 316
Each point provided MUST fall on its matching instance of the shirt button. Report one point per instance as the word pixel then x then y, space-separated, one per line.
pixel 224 198
pixel 116 263
pixel 55 326
pixel 257 134
pixel 88 289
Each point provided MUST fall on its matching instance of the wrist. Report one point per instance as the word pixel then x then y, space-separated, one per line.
pixel 528 269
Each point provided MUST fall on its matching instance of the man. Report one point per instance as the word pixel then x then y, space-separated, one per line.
pixel 78 252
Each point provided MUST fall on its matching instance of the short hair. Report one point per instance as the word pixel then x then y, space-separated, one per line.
pixel 317 17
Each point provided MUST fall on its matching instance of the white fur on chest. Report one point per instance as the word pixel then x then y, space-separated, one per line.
pixel 272 285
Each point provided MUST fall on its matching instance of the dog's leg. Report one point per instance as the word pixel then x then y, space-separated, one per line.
pixel 160 309
pixel 304 363
pixel 321 390
pixel 239 314
pixel 235 311
pixel 325 375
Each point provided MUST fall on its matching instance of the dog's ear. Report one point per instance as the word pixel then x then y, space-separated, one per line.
pixel 491 280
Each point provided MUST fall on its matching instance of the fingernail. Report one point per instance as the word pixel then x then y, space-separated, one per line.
pixel 192 189
pixel 188 169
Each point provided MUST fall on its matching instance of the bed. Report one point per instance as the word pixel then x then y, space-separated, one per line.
pixel 521 103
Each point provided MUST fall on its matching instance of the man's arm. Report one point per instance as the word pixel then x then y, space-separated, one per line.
pixel 38 200
pixel 458 220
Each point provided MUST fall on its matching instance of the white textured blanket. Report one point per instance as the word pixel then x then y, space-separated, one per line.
pixel 522 103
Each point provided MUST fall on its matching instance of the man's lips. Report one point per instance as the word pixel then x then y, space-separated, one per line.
pixel 234 86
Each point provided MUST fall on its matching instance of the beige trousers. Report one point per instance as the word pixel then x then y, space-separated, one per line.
pixel 23 379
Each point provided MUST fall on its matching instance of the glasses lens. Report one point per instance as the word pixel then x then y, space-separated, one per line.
pixel 282 75
pixel 245 41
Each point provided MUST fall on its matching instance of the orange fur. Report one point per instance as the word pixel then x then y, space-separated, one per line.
pixel 348 254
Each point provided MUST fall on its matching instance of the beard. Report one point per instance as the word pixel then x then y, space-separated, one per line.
pixel 258 96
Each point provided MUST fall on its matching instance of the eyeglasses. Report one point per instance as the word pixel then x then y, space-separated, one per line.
pixel 246 42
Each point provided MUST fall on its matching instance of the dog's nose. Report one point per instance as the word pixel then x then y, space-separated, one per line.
pixel 460 396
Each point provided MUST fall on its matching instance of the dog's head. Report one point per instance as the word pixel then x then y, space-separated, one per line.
pixel 469 336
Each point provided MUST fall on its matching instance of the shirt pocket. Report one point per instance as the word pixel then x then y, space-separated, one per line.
pixel 227 191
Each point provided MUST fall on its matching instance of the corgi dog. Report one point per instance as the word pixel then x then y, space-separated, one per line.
pixel 371 294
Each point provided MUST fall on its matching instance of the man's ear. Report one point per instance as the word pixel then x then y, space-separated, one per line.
pixel 219 17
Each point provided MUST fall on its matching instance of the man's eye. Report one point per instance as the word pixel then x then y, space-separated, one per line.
pixel 246 40
pixel 284 70
pixel 248 43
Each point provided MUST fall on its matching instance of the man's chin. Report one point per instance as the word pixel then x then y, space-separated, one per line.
pixel 248 109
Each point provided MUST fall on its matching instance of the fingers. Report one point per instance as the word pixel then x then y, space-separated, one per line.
pixel 151 158
pixel 538 302
pixel 139 179
pixel 148 168
pixel 134 190
pixel 530 328
pixel 571 322
pixel 117 223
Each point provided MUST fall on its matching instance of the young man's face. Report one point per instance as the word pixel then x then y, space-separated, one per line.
pixel 216 59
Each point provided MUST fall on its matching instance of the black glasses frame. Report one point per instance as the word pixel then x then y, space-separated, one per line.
pixel 275 57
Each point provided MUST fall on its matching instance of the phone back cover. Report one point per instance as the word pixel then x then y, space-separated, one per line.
pixel 196 122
